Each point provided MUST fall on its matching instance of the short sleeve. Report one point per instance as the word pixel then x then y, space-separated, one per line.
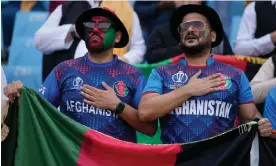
pixel 270 107
pixel 245 94
pixel 49 89
pixel 154 83
pixel 139 90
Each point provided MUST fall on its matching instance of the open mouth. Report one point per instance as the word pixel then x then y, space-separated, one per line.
pixel 190 37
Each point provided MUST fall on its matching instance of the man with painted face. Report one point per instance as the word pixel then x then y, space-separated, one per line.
pixel 198 97
pixel 99 90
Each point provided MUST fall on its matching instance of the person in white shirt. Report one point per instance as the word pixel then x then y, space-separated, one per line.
pixel 53 37
pixel 257 30
pixel 264 80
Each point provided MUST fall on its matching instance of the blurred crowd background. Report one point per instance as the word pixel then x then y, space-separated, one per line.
pixel 35 33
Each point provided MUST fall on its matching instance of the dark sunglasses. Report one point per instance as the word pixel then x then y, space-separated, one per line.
pixel 103 26
pixel 197 25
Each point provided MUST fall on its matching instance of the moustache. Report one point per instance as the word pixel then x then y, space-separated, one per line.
pixel 191 36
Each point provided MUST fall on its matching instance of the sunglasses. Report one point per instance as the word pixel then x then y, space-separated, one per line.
pixel 103 26
pixel 197 25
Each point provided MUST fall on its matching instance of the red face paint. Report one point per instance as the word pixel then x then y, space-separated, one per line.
pixel 96 37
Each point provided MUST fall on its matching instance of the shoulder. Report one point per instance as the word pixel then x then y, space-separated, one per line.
pixel 249 8
pixel 64 66
pixel 130 69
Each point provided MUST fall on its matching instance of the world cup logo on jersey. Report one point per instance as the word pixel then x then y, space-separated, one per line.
pixel 120 88
pixel 77 82
pixel 180 77
pixel 228 82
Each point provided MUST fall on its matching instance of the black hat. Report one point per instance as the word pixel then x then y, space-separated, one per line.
pixel 206 11
pixel 105 12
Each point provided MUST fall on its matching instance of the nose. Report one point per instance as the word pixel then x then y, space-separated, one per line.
pixel 190 29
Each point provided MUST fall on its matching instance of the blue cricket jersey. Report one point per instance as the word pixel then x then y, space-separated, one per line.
pixel 199 117
pixel 270 107
pixel 62 88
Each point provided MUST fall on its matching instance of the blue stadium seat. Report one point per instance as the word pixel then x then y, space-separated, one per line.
pixel 234 29
pixel 23 52
pixel 27 23
pixel 29 75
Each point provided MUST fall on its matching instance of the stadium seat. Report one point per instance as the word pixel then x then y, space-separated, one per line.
pixel 23 52
pixel 234 29
pixel 27 23
pixel 29 75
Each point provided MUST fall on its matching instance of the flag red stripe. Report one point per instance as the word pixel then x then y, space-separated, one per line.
pixel 100 150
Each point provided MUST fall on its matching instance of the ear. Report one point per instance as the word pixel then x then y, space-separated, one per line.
pixel 213 36
pixel 118 37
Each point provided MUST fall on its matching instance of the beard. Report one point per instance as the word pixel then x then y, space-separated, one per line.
pixel 193 50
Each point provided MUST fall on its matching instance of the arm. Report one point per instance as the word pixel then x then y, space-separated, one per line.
pixel 246 44
pixel 157 50
pixel 248 110
pixel 270 109
pixel 51 37
pixel 263 81
pixel 50 90
pixel 154 104
pixel 108 99
pixel 137 47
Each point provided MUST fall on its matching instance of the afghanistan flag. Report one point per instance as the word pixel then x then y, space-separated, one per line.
pixel 40 135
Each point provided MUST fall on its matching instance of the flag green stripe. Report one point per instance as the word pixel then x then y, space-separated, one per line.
pixel 46 135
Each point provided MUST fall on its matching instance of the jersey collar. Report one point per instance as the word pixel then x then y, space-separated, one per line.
pixel 184 62
pixel 115 59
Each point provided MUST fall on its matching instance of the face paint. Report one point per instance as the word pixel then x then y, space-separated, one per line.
pixel 98 40
pixel 202 34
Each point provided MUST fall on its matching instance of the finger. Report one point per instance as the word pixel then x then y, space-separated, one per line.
pixel 90 103
pixel 266 132
pixel 86 90
pixel 265 126
pixel 213 76
pixel 215 89
pixel 196 75
pixel 87 96
pixel 91 88
pixel 106 86
pixel 216 84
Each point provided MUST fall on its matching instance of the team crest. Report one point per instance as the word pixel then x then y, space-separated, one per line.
pixel 180 77
pixel 120 88
pixel 228 82
pixel 77 82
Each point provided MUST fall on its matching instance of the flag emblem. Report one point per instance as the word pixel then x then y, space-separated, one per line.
pixel 228 82
pixel 120 88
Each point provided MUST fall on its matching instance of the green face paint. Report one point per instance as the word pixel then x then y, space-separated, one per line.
pixel 109 38
pixel 203 34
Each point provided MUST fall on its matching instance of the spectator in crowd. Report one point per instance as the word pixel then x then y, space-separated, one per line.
pixel 257 33
pixel 58 40
pixel 198 97
pixel 153 13
pixel 264 80
pixel 270 107
pixel 9 10
pixel 161 45
pixel 99 80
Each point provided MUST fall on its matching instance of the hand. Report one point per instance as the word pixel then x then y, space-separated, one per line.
pixel 106 99
pixel 273 37
pixel 265 127
pixel 13 90
pixel 203 86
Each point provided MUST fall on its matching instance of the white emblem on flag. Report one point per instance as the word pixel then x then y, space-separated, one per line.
pixel 42 89
pixel 180 77
pixel 77 82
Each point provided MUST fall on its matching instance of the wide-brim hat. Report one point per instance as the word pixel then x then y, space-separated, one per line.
pixel 116 22
pixel 206 11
